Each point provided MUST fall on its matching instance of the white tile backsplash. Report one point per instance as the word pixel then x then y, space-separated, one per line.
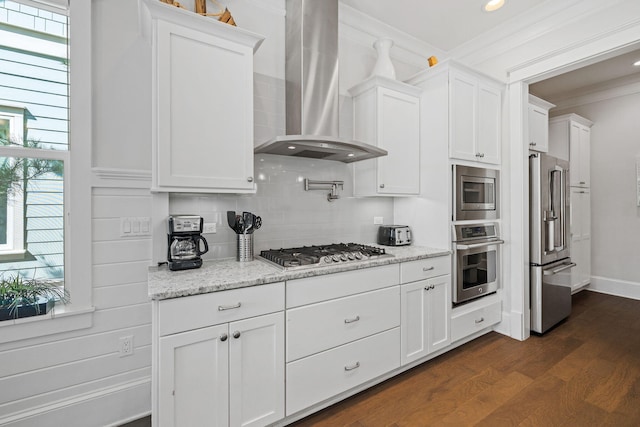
pixel 290 215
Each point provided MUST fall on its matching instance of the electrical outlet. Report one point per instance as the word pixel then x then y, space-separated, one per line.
pixel 378 220
pixel 209 228
pixel 126 346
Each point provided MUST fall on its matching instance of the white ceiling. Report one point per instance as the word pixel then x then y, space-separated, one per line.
pixel 449 24
pixel 445 24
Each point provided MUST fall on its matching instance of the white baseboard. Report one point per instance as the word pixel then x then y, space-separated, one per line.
pixel 621 288
pixel 110 406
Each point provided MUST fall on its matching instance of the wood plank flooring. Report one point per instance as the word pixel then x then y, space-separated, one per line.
pixel 585 372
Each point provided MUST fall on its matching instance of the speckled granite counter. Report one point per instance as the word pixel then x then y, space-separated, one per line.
pixel 224 274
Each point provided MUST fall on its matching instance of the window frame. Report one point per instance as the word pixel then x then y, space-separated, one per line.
pixel 78 314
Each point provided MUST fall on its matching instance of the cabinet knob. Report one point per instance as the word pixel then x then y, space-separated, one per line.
pixel 250 179
pixel 582 182
pixel 224 337
pixel 482 155
pixel 480 320
pixel 236 334
pixel 428 288
pixel 533 144
pixel 381 185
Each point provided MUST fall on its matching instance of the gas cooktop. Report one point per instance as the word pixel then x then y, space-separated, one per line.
pixel 322 255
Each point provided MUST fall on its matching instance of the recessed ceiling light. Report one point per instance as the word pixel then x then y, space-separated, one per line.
pixel 493 5
pixel 350 155
pixel 637 63
pixel 291 147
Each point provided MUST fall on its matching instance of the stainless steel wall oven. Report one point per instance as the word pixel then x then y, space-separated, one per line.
pixel 476 260
pixel 475 193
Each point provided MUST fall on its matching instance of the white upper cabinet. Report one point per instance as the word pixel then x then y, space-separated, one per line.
pixel 202 103
pixel 386 114
pixel 539 124
pixel 573 134
pixel 475 117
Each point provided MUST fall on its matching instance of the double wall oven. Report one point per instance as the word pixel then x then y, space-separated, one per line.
pixel 476 245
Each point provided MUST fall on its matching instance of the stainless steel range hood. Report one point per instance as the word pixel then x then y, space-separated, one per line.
pixel 312 88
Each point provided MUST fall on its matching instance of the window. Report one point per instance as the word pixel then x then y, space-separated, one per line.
pixel 34 118
pixel 45 140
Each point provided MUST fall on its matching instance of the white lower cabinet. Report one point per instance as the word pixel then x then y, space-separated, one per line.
pixel 475 316
pixel 326 374
pixel 228 374
pixel 425 307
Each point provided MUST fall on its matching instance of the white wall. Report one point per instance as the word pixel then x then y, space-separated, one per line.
pixel 615 216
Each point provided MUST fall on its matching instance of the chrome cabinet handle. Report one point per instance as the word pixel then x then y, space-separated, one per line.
pixel 480 321
pixel 425 269
pixel 533 144
pixel 224 337
pixel 354 319
pixel 236 334
pixel 229 307
pixel 352 367
pixel 582 182
pixel 250 179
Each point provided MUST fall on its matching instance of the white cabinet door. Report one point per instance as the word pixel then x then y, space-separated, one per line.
pixel 475 114
pixel 538 128
pixel 489 123
pixel 193 378
pixel 256 365
pixel 439 306
pixel 580 237
pixel 399 134
pixel 386 114
pixel 203 126
pixel 426 312
pixel 580 155
pixel 462 116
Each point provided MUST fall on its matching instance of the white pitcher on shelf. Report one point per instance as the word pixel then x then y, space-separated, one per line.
pixel 384 66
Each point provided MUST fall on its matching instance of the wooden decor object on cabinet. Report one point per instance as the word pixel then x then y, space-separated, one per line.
pixel 386 114
pixel 539 124
pixel 580 238
pixel 425 306
pixel 573 133
pixel 202 103
pixel 220 367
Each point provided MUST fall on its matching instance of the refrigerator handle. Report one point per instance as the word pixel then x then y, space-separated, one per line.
pixel 559 269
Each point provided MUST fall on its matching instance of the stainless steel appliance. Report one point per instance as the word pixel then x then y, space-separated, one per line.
pixel 549 240
pixel 185 242
pixel 394 235
pixel 312 95
pixel 476 260
pixel 322 255
pixel 475 193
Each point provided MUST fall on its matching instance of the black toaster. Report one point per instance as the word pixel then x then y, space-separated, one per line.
pixel 394 235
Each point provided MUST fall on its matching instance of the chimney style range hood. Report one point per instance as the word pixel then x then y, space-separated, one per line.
pixel 312 88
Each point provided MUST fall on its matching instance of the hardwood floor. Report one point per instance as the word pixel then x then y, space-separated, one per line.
pixel 585 372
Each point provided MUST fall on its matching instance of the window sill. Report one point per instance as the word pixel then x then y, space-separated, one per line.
pixel 61 319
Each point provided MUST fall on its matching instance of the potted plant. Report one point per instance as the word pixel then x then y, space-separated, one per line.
pixel 21 297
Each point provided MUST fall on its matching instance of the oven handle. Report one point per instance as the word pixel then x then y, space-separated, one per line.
pixel 479 245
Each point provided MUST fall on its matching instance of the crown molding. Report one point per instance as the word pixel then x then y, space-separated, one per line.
pixel 623 86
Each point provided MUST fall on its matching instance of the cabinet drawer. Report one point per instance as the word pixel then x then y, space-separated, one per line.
pixel 318 327
pixel 323 375
pixel 322 288
pixel 197 311
pixel 469 322
pixel 424 268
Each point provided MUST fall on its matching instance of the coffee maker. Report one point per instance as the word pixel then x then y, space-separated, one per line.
pixel 185 241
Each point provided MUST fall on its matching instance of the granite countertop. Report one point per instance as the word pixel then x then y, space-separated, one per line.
pixel 224 274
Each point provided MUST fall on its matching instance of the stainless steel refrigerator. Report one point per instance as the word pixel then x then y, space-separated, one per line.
pixel 550 260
